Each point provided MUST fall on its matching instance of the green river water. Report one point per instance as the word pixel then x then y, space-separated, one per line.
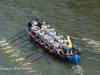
pixel 80 19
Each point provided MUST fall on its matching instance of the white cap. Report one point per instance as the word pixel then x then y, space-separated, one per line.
pixel 68 37
pixel 44 22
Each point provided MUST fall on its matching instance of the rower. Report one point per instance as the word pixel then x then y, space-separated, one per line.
pixel 45 39
pixel 57 37
pixel 65 46
pixel 41 36
pixel 61 40
pixel 44 26
pixel 30 24
pixel 33 29
pixel 37 33
pixel 50 43
pixel 52 33
pixel 57 47
pixel 48 29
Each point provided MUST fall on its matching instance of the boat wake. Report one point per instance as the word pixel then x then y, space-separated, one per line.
pixel 78 69
pixel 2 41
pixel 85 39
pixel 92 43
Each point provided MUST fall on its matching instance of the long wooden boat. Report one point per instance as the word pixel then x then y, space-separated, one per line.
pixel 72 59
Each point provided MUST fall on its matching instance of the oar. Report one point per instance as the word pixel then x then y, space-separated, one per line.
pixel 33 54
pixel 27 50
pixel 17 38
pixel 16 35
pixel 40 57
pixel 24 46
pixel 21 42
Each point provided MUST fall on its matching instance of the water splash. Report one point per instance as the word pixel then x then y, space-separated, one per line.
pixel 3 41
pixel 85 39
pixel 9 51
pixel 14 55
pixel 74 37
pixel 19 59
pixel 4 44
pixel 7 48
pixel 93 42
pixel 26 64
pixel 78 69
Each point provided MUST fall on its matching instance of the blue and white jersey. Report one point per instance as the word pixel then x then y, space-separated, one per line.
pixel 48 30
pixel 52 33
pixel 42 34
pixel 46 37
pixel 34 27
pixel 44 27
pixel 37 31
pixel 56 45
pixel 61 41
pixel 35 23
pixel 57 37
pixel 65 46
pixel 51 41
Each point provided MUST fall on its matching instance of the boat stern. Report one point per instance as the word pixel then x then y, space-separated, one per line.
pixel 75 59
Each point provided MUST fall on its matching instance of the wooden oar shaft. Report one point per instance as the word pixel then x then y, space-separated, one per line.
pixel 17 38
pixel 27 50
pixel 16 35
pixel 33 54
pixel 24 46
pixel 21 42
pixel 40 57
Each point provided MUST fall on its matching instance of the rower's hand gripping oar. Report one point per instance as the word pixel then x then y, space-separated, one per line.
pixel 16 34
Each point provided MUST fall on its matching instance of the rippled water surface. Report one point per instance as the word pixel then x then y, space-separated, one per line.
pixel 78 18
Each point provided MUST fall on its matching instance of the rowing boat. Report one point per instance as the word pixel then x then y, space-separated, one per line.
pixel 72 59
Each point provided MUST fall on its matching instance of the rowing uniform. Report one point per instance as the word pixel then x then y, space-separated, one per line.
pixel 48 31
pixel 37 33
pixel 52 34
pixel 51 42
pixel 44 27
pixel 65 46
pixel 61 41
pixel 35 23
pixel 56 46
pixel 46 38
pixel 42 34
pixel 34 28
pixel 57 38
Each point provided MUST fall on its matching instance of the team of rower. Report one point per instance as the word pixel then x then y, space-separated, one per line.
pixel 50 38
